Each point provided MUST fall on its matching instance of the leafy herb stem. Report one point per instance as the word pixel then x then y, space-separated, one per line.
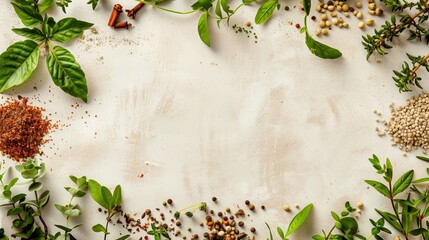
pixel 108 219
pixel 425 59
pixel 12 203
pixel 330 232
pixel 166 9
pixel 400 27
pixel 395 210
pixel 39 209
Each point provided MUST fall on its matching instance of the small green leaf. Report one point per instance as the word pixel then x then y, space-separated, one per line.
pixel 29 173
pixel 349 225
pixel 19 198
pixel 123 238
pixel 265 11
pixel 203 29
pixel 60 208
pixel 299 219
pixel 72 213
pixel 45 4
pixel 391 219
pixel 95 191
pixel 280 232
pixel 14 211
pixel 381 188
pixel 321 50
pixel 403 182
pixel 67 73
pixel 225 6
pixel 31 33
pixel 423 158
pixel 202 4
pixel 117 196
pixel 248 1
pixel 69 28
pixel 36 186
pixel 107 197
pixel 93 3
pixel 99 228
pixel 17 63
pixel 44 198
pixel 28 15
pixel 64 228
pixel 389 171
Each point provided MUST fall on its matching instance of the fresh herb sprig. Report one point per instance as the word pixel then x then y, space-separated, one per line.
pixel 219 11
pixel 296 222
pixel 317 48
pixel 190 210
pixel 414 24
pixel 109 201
pixel 20 59
pixel 65 3
pixel 71 210
pixel 158 232
pixel 401 217
pixel 3 235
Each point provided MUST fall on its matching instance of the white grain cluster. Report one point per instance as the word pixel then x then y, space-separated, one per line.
pixel 408 125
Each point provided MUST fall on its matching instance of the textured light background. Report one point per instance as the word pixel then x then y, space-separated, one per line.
pixel 268 122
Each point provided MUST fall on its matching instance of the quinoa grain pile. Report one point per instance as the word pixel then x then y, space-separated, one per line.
pixel 408 126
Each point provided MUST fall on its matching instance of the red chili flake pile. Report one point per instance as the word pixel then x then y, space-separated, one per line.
pixel 22 129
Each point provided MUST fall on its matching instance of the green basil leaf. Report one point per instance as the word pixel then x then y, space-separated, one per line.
pixel 203 29
pixel 68 28
pixel 248 1
pixel 321 50
pixel 307 6
pixel 299 219
pixel 95 192
pixel 403 182
pixel 31 33
pixel 381 188
pixel 67 73
pixel 202 4
pixel 17 63
pixel 28 15
pixel 99 228
pixel 266 11
pixel 45 4
pixel 218 10
pixel 117 196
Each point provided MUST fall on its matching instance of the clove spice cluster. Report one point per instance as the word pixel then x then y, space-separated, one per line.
pixel 117 10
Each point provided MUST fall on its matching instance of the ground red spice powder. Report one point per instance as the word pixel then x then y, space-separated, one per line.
pixel 22 129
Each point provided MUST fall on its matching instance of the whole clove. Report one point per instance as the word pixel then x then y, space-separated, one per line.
pixel 132 13
pixel 117 9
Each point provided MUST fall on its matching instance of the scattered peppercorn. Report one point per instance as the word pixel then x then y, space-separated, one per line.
pixel 214 199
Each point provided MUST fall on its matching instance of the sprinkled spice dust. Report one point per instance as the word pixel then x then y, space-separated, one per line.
pixel 22 129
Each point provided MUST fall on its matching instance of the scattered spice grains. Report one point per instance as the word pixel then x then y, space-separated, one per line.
pixel 225 225
pixel 22 129
pixel 408 126
pixel 248 30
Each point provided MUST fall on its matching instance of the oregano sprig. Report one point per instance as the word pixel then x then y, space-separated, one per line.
pixel 20 59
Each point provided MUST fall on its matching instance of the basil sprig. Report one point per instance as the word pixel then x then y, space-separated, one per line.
pixel 20 59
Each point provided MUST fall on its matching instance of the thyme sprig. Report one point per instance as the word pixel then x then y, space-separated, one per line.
pixel 413 24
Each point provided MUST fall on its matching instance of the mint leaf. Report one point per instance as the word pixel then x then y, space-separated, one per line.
pixel 28 15
pixel 17 63
pixel 67 73
pixel 68 28
pixel 31 33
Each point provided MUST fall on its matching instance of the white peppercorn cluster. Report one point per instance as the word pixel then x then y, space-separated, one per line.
pixel 335 8
pixel 408 125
